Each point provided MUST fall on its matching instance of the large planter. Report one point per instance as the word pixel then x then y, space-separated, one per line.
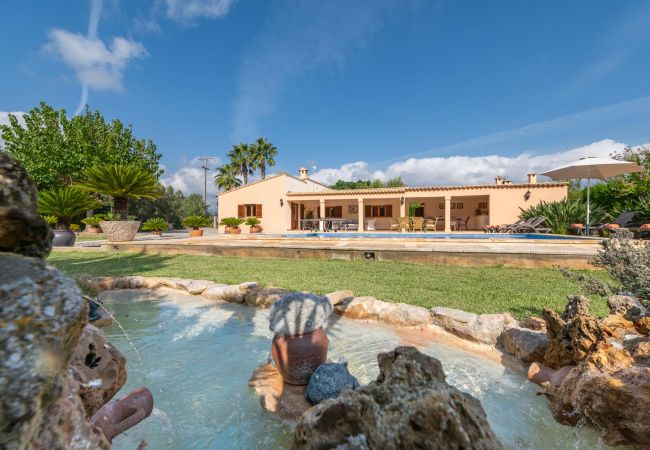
pixel 233 230
pixel 256 229
pixel 120 230
pixel 296 357
pixel 196 233
pixel 64 238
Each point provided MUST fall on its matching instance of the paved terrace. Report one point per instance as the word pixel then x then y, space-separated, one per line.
pixel 493 251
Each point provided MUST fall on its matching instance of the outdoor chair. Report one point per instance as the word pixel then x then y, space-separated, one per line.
pixel 418 224
pixel 350 225
pixel 460 223
pixel 511 228
pixel 621 221
pixel 404 223
pixel 431 224
pixel 394 225
pixel 370 224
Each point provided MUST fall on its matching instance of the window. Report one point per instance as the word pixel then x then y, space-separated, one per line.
pixel 334 211
pixel 379 210
pixel 250 210
pixel 483 205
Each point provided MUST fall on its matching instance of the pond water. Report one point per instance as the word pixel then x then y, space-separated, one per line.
pixel 197 356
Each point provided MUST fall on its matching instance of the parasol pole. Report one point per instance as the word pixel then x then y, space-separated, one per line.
pixel 588 188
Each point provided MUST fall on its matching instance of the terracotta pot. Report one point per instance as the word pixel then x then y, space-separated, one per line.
pixel 296 357
pixel 196 233
pixel 232 230
pixel 118 416
pixel 256 229
pixel 93 230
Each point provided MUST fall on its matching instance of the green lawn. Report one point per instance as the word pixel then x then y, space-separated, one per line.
pixel 522 292
pixel 91 237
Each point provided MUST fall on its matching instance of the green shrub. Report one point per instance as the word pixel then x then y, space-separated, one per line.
pixel 50 220
pixel 155 224
pixel 65 204
pixel 560 215
pixel 93 221
pixel 627 261
pixel 196 222
pixel 232 222
pixel 253 222
pixel 75 227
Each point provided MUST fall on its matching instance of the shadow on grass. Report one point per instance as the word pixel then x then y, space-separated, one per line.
pixel 110 264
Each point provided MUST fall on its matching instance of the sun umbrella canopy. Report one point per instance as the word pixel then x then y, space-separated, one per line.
pixel 593 168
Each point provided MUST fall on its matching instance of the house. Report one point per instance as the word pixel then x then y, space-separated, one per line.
pixel 283 201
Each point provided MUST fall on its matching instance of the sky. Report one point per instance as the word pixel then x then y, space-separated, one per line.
pixel 437 92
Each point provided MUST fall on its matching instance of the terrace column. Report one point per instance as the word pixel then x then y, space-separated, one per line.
pixel 361 221
pixel 402 207
pixel 321 223
pixel 447 214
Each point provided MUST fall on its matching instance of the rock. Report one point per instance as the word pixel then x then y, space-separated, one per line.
pixel 194 287
pixel 641 353
pixel 22 229
pixel 99 368
pixel 524 344
pixel 42 318
pixel 224 292
pixel 337 297
pixel 571 336
pixel 485 328
pixel 410 405
pixel 629 307
pixel 328 380
pixel 360 307
pixel 403 315
pixel 265 297
pixel 617 326
pixel 643 325
pixel 280 399
pixel 535 323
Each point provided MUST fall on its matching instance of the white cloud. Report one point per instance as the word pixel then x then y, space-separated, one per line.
pixel 189 10
pixel 462 170
pixel 96 65
pixel 299 37
pixel 189 178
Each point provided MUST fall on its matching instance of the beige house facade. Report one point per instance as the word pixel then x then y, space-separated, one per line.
pixel 285 203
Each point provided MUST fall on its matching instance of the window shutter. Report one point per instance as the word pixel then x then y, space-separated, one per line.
pixel 241 211
pixel 368 211
pixel 258 210
pixel 389 210
pixel 339 210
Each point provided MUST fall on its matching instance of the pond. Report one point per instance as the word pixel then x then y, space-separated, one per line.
pixel 196 356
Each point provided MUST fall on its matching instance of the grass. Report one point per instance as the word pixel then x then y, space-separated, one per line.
pixel 522 292
pixel 91 237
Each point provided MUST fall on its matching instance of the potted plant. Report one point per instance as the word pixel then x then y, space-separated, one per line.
pixel 92 223
pixel 254 224
pixel 299 344
pixel 64 204
pixel 156 225
pixel 232 224
pixel 121 182
pixel 195 222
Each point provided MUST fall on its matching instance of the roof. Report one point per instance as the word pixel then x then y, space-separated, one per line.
pixel 403 190
pixel 271 178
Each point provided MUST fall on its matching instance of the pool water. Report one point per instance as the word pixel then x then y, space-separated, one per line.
pixel 534 236
pixel 197 356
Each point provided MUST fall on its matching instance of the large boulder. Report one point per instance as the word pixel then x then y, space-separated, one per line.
pixel 410 405
pixel 524 344
pixel 265 297
pixel 22 230
pixel 43 316
pixel 99 368
pixel 485 328
pixel 328 380
pixel 629 307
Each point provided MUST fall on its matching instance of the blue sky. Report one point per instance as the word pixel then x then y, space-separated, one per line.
pixel 438 92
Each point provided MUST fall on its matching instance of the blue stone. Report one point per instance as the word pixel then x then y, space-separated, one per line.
pixel 328 380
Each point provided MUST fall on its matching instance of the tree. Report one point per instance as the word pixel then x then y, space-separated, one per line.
pixel 241 156
pixel 121 181
pixel 395 182
pixel 226 177
pixel 55 150
pixel 263 154
pixel 366 184
pixel 194 205
pixel 65 204
pixel 167 206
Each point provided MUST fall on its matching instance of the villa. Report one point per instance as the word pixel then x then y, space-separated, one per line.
pixel 284 202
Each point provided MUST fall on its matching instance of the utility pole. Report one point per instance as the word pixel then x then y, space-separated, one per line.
pixel 205 178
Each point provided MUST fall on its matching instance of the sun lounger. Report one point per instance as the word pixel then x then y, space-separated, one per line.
pixel 534 226
pixel 621 221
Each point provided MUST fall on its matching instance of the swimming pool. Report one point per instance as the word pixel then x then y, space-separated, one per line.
pixel 533 236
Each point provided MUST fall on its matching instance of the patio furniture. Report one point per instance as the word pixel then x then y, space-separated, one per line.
pixel 514 226
pixel 404 224
pixel 640 231
pixel 370 224
pixel 620 222
pixel 417 224
pixel 431 224
pixel 460 223
pixel 394 225
pixel 350 225
pixel 535 226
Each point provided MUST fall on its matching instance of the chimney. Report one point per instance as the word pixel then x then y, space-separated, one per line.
pixel 532 178
pixel 499 180
pixel 303 173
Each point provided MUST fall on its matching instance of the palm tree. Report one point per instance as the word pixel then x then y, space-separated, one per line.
pixel 263 153
pixel 226 177
pixel 241 156
pixel 121 181
pixel 65 204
